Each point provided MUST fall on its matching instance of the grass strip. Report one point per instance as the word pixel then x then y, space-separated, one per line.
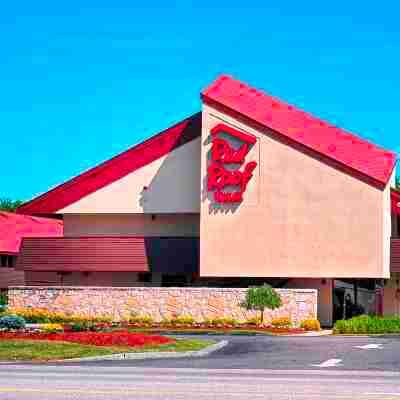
pixel 37 350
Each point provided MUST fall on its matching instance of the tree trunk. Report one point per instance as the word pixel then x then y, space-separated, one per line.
pixel 262 316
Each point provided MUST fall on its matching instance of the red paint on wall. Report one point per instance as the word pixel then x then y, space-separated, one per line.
pixel 222 153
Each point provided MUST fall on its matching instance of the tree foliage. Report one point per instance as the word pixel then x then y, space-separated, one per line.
pixel 262 297
pixel 9 205
pixel 398 182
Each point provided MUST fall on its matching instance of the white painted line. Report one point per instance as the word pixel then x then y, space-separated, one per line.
pixel 332 362
pixel 370 346
pixel 382 394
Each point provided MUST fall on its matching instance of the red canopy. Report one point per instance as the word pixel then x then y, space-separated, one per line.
pixel 13 227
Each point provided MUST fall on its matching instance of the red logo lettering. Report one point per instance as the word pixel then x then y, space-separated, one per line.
pixel 219 177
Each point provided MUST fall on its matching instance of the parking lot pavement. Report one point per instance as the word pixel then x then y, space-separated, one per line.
pixel 291 353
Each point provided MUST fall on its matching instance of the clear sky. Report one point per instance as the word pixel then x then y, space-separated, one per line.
pixel 84 80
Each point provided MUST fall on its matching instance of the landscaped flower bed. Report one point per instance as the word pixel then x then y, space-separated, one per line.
pixel 202 328
pixel 116 338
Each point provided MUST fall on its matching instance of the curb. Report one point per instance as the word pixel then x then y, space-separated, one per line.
pixel 153 355
pixel 325 332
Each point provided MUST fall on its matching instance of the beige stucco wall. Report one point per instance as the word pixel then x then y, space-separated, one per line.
pixel 172 187
pixel 131 224
pixel 300 218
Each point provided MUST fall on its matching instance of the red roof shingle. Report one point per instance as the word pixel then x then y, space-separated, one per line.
pixel 13 227
pixel 301 127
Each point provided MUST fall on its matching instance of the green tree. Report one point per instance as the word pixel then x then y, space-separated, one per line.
pixel 9 205
pixel 260 298
pixel 398 182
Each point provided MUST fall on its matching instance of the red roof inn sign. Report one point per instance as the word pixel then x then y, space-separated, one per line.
pixel 220 177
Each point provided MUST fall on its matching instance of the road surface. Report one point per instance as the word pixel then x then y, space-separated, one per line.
pixel 260 367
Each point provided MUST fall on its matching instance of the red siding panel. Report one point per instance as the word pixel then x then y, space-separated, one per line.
pixel 11 277
pixel 395 255
pixel 83 254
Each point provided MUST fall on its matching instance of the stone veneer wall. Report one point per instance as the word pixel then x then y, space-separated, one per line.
pixel 160 302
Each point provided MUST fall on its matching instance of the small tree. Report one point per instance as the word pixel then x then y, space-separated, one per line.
pixel 9 205
pixel 262 297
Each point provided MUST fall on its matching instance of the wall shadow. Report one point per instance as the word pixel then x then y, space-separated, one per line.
pixel 173 187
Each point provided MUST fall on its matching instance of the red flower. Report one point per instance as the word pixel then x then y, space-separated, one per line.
pixel 116 338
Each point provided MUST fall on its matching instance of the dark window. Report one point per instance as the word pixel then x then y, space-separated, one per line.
pixel 12 261
pixel 173 280
pixel 398 226
pixel 144 277
pixel 3 261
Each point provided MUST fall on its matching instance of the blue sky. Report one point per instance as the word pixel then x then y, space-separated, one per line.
pixel 81 83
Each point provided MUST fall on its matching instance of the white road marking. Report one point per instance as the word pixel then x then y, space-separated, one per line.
pixel 370 346
pixel 332 362
pixel 382 394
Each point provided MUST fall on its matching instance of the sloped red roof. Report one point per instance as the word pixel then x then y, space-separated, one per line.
pixel 115 168
pixel 298 126
pixel 13 227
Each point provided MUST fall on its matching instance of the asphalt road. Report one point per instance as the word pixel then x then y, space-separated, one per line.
pixel 255 367
pixel 113 382
pixel 292 353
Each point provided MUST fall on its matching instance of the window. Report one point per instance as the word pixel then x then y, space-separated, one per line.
pixel 398 226
pixel 144 277
pixel 12 261
pixel 7 261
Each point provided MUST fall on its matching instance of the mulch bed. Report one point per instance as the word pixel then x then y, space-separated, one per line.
pixel 116 338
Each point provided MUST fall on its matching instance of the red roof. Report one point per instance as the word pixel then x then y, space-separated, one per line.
pixel 298 126
pixel 13 227
pixel 115 168
pixel 343 148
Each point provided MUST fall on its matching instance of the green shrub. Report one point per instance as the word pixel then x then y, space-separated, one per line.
pixel 141 319
pixel 367 324
pixel 260 298
pixel 221 321
pixel 12 322
pixel 182 320
pixel 253 321
pixel 3 299
pixel 82 327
